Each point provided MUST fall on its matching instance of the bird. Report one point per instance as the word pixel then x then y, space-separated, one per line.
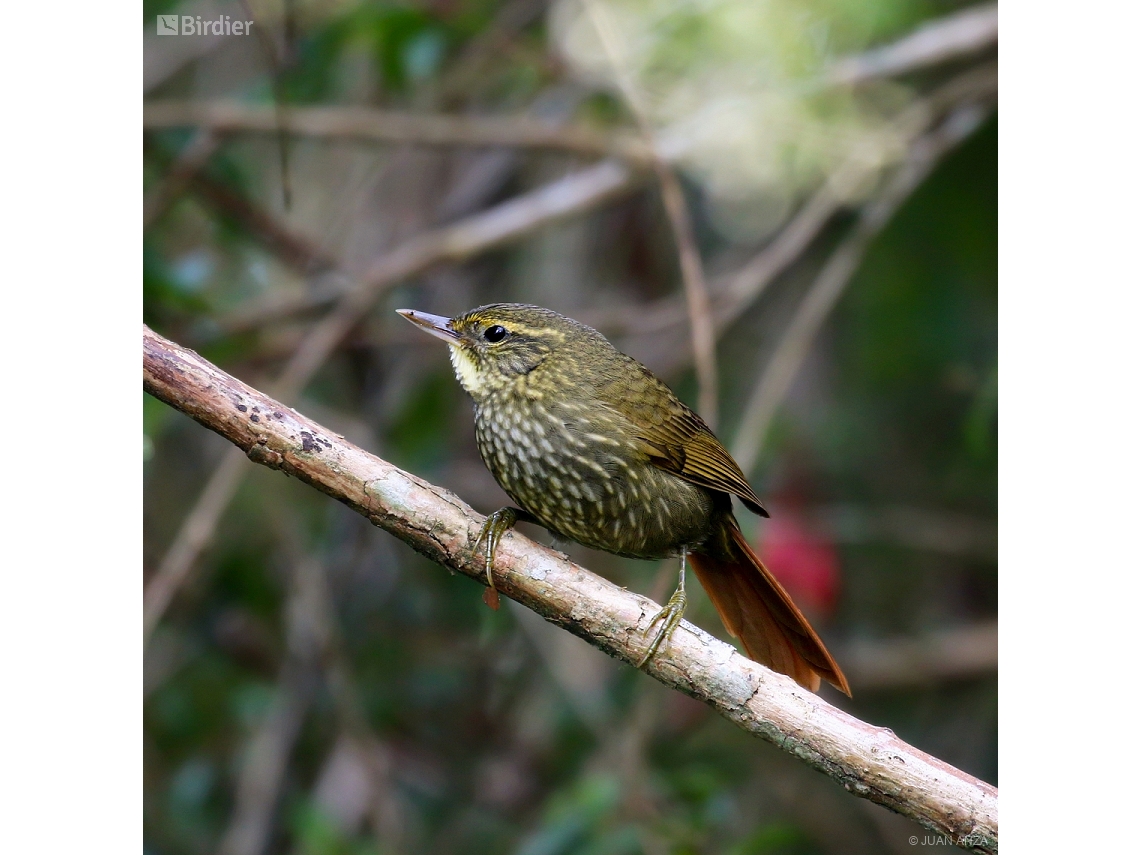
pixel 592 446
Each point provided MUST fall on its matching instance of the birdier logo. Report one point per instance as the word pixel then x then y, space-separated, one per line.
pixel 193 25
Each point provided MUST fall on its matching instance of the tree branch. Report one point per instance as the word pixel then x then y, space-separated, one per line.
pixel 519 216
pixel 188 163
pixel 866 760
pixel 368 124
pixel 944 39
pixel 833 278
pixel 949 654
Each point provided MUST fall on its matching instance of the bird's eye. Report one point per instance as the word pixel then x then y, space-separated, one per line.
pixel 495 334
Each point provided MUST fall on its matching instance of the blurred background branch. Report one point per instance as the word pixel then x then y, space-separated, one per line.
pixel 314 606
pixel 947 655
pixel 969 31
pixel 264 766
pixel 189 161
pixel 828 286
pixel 371 125
pixel 673 197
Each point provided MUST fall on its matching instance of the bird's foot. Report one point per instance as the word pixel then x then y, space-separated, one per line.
pixel 672 615
pixel 494 527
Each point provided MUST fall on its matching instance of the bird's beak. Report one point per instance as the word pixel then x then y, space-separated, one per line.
pixel 436 325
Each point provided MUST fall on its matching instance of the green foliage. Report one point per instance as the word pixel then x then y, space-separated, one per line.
pixel 419 435
pixel 317 834
pixel 778 838
pixel 573 820
pixel 917 334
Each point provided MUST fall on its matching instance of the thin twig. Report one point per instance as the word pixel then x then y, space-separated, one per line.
pixel 954 36
pixel 868 761
pixel 735 292
pixel 276 79
pixel 296 250
pixel 951 654
pixel 832 280
pixel 452 244
pixel 312 599
pixel 196 531
pixel 188 163
pixel 291 247
pixel 493 41
pixel 264 765
pixel 578 192
pixel 389 126
pixel 511 220
pixel 732 293
pixel 692 273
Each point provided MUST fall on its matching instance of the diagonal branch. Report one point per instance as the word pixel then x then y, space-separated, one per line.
pixel 189 162
pixel 291 247
pixel 580 191
pixel 733 292
pixel 952 37
pixel 868 761
pixel 832 281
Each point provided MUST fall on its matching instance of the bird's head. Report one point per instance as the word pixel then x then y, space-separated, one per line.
pixel 492 346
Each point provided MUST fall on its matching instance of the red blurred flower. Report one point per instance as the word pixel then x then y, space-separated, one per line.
pixel 805 561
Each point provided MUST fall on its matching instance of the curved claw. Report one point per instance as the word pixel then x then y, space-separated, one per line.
pixel 673 613
pixel 494 527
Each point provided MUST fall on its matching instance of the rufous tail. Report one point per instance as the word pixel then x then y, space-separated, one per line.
pixel 756 609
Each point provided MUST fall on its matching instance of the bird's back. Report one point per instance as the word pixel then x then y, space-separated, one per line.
pixel 564 442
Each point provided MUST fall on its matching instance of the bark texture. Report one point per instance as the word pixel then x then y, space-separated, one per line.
pixel 868 761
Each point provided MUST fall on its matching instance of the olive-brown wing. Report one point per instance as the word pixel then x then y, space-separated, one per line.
pixel 679 441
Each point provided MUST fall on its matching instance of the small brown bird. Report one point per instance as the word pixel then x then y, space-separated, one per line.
pixel 597 450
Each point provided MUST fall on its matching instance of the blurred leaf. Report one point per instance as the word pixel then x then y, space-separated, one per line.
pixel 777 838
pixel 419 435
pixel 191 784
pixel 316 833
pixel 572 817
pixel 981 420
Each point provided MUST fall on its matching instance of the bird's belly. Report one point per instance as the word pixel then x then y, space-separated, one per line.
pixel 590 489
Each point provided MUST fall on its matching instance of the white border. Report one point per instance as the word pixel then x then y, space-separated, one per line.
pixel 1069 428
pixel 70 575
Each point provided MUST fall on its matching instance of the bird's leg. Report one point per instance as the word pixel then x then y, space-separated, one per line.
pixel 494 527
pixel 672 614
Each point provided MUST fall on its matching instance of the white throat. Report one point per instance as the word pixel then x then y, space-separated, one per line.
pixel 466 372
